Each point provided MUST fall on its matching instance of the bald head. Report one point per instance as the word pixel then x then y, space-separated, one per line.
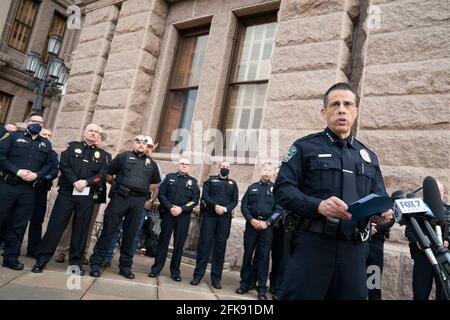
pixel 46 133
pixel 92 134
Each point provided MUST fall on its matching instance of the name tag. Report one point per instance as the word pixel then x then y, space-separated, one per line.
pixel 254 189
pixel 324 155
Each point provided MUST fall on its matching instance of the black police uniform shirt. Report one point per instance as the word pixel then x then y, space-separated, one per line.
pixel 82 162
pixel 18 150
pixel 312 171
pixel 220 191
pixel 100 189
pixel 258 201
pixel 179 190
pixel 3 131
pixel 134 171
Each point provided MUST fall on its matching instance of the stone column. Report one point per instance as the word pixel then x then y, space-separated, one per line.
pixel 86 75
pixel 122 103
pixel 404 110
pixel 312 52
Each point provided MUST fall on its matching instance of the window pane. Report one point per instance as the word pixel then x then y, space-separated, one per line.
pixel 256 52
pixel 246 105
pixel 190 61
pixel 180 110
pixel 21 29
pixel 5 100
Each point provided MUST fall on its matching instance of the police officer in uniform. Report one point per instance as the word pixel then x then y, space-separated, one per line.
pixel 24 158
pixel 220 196
pixel 134 173
pixel 319 177
pixel 42 187
pixel 260 211
pixel 178 194
pixel 83 166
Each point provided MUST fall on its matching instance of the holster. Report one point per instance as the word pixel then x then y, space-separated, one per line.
pixel 11 180
pixel 293 224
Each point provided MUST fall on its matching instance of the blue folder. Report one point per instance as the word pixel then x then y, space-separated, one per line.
pixel 369 206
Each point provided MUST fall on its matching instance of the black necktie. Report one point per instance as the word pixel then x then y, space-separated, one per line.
pixel 349 193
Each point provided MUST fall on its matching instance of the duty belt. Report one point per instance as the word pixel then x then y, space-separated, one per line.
pixel 333 231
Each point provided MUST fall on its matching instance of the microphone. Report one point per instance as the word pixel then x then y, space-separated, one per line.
pixel 409 205
pixel 432 197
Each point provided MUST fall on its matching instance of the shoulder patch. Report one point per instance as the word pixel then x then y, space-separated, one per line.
pixel 291 152
pixel 6 135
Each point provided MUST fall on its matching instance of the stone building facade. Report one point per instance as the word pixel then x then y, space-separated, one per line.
pixel 396 54
pixel 24 27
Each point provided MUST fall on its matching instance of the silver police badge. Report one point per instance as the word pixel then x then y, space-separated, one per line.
pixel 365 155
pixel 147 161
pixel 189 183
pixel 78 151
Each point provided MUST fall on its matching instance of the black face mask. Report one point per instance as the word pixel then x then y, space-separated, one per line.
pixel 34 128
pixel 224 172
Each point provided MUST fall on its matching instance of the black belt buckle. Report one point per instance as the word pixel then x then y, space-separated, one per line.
pixel 331 228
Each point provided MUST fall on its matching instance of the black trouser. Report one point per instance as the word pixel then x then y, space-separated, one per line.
pixel 422 276
pixel 37 218
pixel 65 205
pixel 279 259
pixel 16 205
pixel 129 210
pixel 376 258
pixel 321 268
pixel 214 233
pixel 258 243
pixel 179 226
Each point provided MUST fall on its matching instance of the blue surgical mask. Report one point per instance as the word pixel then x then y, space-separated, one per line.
pixel 224 172
pixel 34 128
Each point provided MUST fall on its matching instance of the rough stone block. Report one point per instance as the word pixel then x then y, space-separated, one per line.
pixel 86 83
pixel 405 112
pixel 95 65
pixel 97 48
pixel 420 77
pixel 294 114
pixel 315 29
pixel 302 85
pixel 113 99
pixel 98 31
pixel 304 8
pixel 118 80
pixel 409 45
pixel 104 14
pixel 411 14
pixel 323 55
pixel 402 147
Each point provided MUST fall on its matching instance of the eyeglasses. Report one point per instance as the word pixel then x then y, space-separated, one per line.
pixel 185 164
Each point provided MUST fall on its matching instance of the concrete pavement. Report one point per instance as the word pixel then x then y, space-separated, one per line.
pixel 55 284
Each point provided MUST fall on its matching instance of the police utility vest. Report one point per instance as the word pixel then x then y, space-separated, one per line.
pixel 137 172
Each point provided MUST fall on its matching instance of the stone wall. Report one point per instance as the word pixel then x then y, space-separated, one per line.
pixel 398 61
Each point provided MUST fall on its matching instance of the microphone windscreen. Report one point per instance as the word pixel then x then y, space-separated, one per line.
pixel 432 197
pixel 399 194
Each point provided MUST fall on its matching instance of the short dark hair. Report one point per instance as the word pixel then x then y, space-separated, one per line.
pixel 334 87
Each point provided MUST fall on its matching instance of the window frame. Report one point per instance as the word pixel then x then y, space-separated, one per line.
pixel 183 34
pixel 243 24
pixel 8 107
pixel 31 27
